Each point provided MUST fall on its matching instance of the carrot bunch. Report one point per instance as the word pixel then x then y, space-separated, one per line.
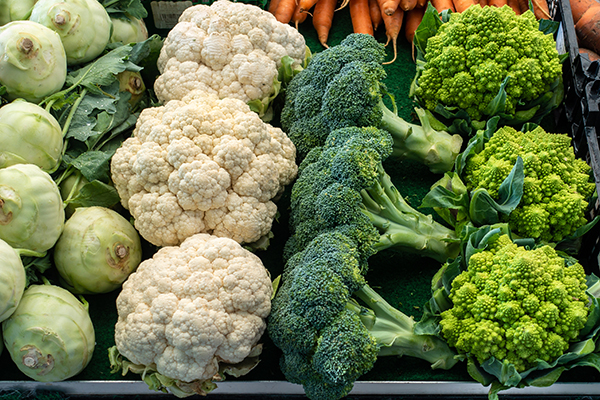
pixel 368 15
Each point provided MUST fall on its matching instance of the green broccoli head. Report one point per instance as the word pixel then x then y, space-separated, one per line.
pixel 331 326
pixel 471 55
pixel 517 304
pixel 556 188
pixel 347 188
pixel 343 86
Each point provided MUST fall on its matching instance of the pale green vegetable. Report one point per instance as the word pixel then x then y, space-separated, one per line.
pixel 15 10
pixel 97 250
pixel 50 336
pixel 33 62
pixel 128 29
pixel 29 135
pixel 12 280
pixel 72 184
pixel 132 82
pixel 84 26
pixel 31 209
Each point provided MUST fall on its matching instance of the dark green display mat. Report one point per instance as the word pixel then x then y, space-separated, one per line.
pixel 402 279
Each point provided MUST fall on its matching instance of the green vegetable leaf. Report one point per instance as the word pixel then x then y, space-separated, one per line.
pixel 428 27
pixel 135 8
pixel 95 193
pixel 102 71
pixel 485 210
pixel 94 165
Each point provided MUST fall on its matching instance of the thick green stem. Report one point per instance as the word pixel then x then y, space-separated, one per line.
pixel 404 228
pixel 394 331
pixel 422 143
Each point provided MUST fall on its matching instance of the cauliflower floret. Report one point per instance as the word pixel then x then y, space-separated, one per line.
pixel 228 48
pixel 190 308
pixel 203 165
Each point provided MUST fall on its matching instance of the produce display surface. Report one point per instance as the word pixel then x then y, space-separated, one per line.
pixel 403 279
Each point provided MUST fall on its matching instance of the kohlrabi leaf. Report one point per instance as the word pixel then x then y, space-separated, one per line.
pixel 95 193
pixel 93 164
pixel 134 8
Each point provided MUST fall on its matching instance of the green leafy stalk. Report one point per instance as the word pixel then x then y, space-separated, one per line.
pixel 394 331
pixel 401 226
pixel 436 149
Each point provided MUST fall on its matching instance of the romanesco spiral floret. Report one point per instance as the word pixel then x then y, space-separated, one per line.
pixel 538 306
pixel 556 189
pixel 489 44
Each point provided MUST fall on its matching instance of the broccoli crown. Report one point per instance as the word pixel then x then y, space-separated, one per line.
pixel 345 188
pixel 328 339
pixel 356 61
pixel 342 86
pixel 517 304
pixel 557 185
pixel 469 57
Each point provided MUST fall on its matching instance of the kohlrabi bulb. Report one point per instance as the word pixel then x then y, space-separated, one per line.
pixel 15 10
pixel 12 280
pixel 50 336
pixel 29 135
pixel 31 209
pixel 84 26
pixel 128 29
pixel 97 250
pixel 33 63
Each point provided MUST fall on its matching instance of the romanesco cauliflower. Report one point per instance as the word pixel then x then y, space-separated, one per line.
pixel 470 56
pixel 557 185
pixel 516 304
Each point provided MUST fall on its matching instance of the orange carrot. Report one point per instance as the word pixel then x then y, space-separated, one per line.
pixel 593 56
pixel 482 3
pixel 375 12
pixel 361 19
pixel 441 5
pixel 460 5
pixel 588 29
pixel 579 7
pixel 498 3
pixel 323 18
pixel 388 6
pixel 273 6
pixel 407 4
pixel 299 15
pixel 422 3
pixel 393 24
pixel 523 5
pixel 305 5
pixel 540 9
pixel 514 4
pixel 412 19
pixel 285 10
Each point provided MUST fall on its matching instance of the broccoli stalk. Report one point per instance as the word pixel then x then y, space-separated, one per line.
pixel 421 143
pixel 401 226
pixel 394 331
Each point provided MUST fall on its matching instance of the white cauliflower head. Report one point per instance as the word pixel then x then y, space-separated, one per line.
pixel 192 306
pixel 203 165
pixel 228 48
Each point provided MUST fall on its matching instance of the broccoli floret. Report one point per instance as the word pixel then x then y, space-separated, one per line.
pixel 556 188
pixel 346 188
pixel 332 326
pixel 343 86
pixel 470 56
pixel 537 306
